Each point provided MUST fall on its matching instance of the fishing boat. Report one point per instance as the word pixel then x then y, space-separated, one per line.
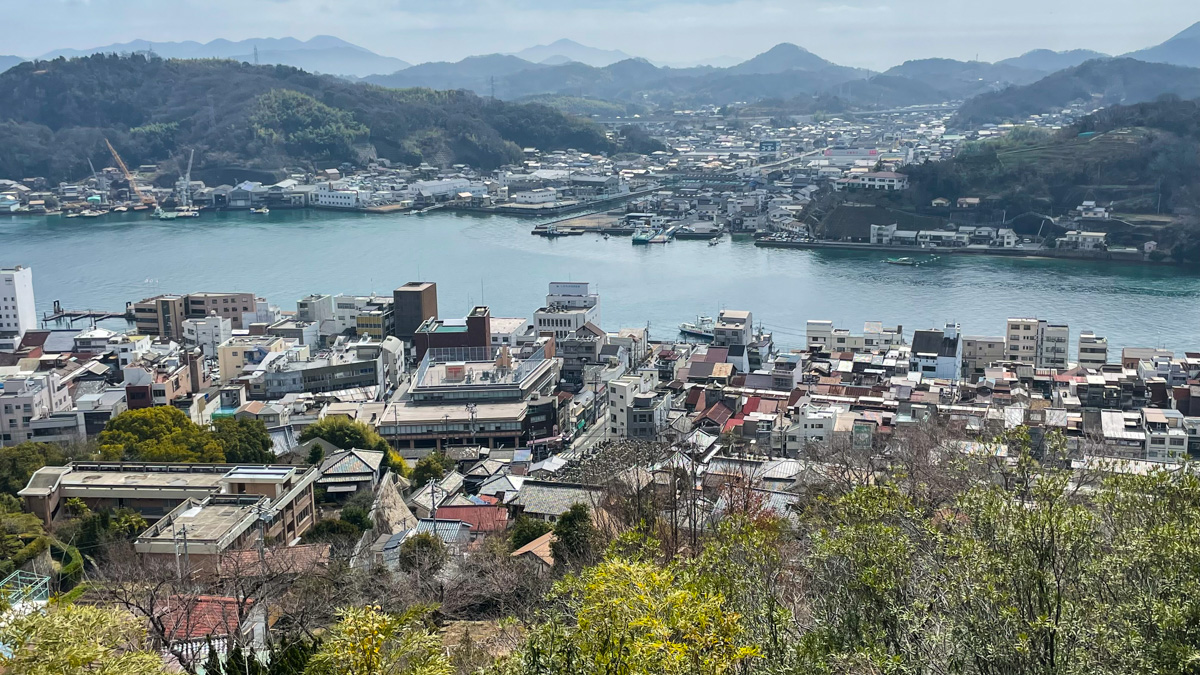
pixel 605 236
pixel 187 212
pixel 264 210
pixel 713 242
pixel 908 262
pixel 90 213
pixel 702 328
pixel 552 231
pixel 165 215
pixel 121 209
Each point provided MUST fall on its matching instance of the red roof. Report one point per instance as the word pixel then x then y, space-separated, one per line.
pixel 193 618
pixel 481 518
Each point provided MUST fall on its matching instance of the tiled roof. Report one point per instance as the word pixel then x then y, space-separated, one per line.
pixel 188 618
pixel 481 518
pixel 553 499
pixel 538 548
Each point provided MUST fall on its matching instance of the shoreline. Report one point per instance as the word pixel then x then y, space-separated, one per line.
pixel 1041 253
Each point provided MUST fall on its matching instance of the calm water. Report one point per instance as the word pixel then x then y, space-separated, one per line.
pixel 103 263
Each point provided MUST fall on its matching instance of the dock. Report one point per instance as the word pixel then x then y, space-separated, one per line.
pixel 58 314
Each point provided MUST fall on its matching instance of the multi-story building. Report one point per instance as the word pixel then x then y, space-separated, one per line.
pixel 1037 342
pixel 1093 350
pixel 230 305
pixel 937 353
pixel 734 327
pixel 475 330
pixel 819 335
pixel 207 333
pixel 511 331
pixel 22 400
pixel 569 306
pixel 236 352
pixel 18 313
pixel 340 368
pixel 1166 435
pixel 315 308
pixel 628 390
pixel 980 352
pixel 162 316
pixel 377 319
pixel 413 303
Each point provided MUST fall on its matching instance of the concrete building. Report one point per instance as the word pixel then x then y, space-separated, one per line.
pixel 1037 342
pixel 230 305
pixel 237 352
pixel 1093 350
pixel 340 368
pixel 475 330
pixel 630 392
pixel 18 313
pixel 315 308
pixel 734 327
pixel 208 333
pixel 24 399
pixel 980 352
pixel 510 331
pixel 569 306
pixel 937 353
pixel 414 303
pixel 162 316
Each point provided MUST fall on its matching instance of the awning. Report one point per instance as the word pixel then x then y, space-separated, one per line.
pixel 342 488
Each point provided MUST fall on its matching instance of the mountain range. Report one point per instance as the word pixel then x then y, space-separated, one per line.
pixel 565 51
pixel 1181 50
pixel 322 54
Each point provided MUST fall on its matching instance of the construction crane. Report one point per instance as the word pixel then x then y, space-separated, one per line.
pixel 146 200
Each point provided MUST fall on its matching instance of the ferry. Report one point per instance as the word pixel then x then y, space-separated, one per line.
pixel 703 328
pixel 644 235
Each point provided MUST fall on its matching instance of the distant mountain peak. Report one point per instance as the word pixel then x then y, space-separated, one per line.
pixel 1192 32
pixel 781 58
pixel 571 50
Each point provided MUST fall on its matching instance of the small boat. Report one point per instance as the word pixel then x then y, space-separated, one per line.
pixel 73 215
pixel 92 214
pixel 264 210
pixel 908 262
pixel 702 328
pixel 187 212
pixel 121 209
pixel 605 236
pixel 644 235
pixel 165 215
pixel 714 242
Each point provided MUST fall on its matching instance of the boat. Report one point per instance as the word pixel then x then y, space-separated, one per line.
pixel 552 231
pixel 909 262
pixel 644 235
pixel 187 212
pixel 165 215
pixel 264 210
pixel 702 328
pixel 605 236
pixel 92 214
pixel 121 209
pixel 714 242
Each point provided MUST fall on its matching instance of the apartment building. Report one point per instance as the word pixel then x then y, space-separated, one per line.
pixel 227 305
pixel 569 307
pixel 162 315
pixel 980 352
pixel 1093 350
pixel 734 327
pixel 18 313
pixel 207 333
pixel 236 352
pixel 1037 342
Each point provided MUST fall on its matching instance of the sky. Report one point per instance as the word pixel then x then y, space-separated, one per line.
pixel 873 34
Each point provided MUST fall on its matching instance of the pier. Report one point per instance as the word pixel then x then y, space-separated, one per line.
pixel 58 314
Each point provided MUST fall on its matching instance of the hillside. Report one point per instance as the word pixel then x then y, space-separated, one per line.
pixel 55 115
pixel 563 51
pixel 962 79
pixel 1104 82
pixel 323 53
pixel 7 62
pixel 1048 61
pixel 780 59
pixel 1183 49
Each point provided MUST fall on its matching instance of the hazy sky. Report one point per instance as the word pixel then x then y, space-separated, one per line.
pixel 867 33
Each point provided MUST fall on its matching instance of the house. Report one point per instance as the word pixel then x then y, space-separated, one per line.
pixel 483 519
pixel 1084 241
pixel 940 202
pixel 346 472
pixel 196 625
pixel 538 552
pixel 545 500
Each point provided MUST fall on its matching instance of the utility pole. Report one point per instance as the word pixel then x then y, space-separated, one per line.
pixel 473 411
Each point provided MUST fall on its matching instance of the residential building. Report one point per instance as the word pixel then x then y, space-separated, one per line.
pixel 1037 342
pixel 475 330
pixel 635 391
pixel 733 327
pixel 315 308
pixel 510 331
pixel 230 305
pixel 239 351
pixel 162 315
pixel 569 305
pixel 937 353
pixel 1084 241
pixel 979 353
pixel 208 333
pixel 18 313
pixel 1093 350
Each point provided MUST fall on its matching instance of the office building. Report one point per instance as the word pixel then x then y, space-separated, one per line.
pixel 413 303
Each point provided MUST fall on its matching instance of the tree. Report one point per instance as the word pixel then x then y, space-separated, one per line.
pixel 70 639
pixel 345 433
pixel 575 537
pixel 158 434
pixel 525 530
pixel 332 530
pixel 367 641
pixel 244 440
pixel 423 552
pixel 19 462
pixel 433 466
pixel 624 616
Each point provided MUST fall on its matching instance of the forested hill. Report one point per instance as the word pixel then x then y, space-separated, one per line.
pixel 55 115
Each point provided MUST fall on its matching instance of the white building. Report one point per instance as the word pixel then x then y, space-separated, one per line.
pixel 812 425
pixel 17 311
pixel 569 305
pixel 1093 350
pixel 26 398
pixel 314 308
pixel 332 195
pixel 1037 342
pixel 621 394
pixel 538 196
pixel 509 330
pixel 1084 241
pixel 207 333
pixel 818 334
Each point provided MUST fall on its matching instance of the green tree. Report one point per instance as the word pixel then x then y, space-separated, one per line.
pixel 70 639
pixel 367 641
pixel 19 462
pixel 345 433
pixel 632 617
pixel 525 530
pixel 422 552
pixel 333 531
pixel 433 466
pixel 158 434
pixel 357 516
pixel 245 441
pixel 575 537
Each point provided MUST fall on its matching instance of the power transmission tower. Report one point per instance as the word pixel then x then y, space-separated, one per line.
pixel 256 55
